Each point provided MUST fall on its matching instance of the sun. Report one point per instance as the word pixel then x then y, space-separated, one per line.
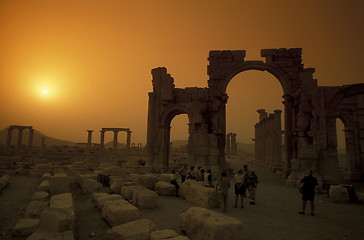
pixel 45 91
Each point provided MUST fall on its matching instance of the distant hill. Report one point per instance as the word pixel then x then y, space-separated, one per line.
pixel 37 138
pixel 246 147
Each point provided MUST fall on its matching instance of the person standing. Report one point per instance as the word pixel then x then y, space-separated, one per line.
pixel 240 189
pixel 173 179
pixel 252 186
pixel 208 179
pixel 307 188
pixel 222 188
pixel 183 172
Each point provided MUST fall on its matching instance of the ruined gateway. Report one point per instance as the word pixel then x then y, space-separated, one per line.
pixel 310 114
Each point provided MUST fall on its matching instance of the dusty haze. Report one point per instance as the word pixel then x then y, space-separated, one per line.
pixel 94 57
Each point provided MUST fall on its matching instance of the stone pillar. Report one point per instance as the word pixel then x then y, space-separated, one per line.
pixel 8 140
pixel 128 139
pixel 228 146
pixel 233 144
pixel 115 142
pixel 89 140
pixel 102 139
pixel 20 136
pixel 30 141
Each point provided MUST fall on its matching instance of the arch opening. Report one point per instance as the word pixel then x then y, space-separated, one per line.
pixel 178 141
pixel 259 138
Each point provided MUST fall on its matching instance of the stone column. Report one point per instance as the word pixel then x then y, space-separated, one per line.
pixel 102 139
pixel 30 141
pixel 228 146
pixel 89 140
pixel 233 144
pixel 115 145
pixel 8 140
pixel 128 139
pixel 20 136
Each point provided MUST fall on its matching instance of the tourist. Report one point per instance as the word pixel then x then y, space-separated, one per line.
pixel 201 175
pixel 222 188
pixel 183 172
pixel 240 189
pixel 307 188
pixel 208 179
pixel 173 179
pixel 191 173
pixel 251 184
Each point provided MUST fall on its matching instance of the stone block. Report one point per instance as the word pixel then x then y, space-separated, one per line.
pixel 46 176
pixel 63 201
pixel 114 171
pixel 204 224
pixel 338 194
pixel 57 219
pixel 35 208
pixel 21 171
pixel 165 188
pixel 166 234
pixel 145 198
pixel 195 192
pixel 119 211
pixel 59 183
pixel 40 195
pixel 145 180
pixel 137 230
pixel 102 198
pixel 115 184
pixel 25 227
pixel 128 191
pixel 90 186
pixel 4 181
pixel 165 177
pixel 360 196
pixel 44 186
pixel 41 234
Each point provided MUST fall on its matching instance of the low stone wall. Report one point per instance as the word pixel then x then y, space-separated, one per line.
pixel 204 224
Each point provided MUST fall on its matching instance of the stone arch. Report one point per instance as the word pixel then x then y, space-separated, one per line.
pixel 165 130
pixel 259 66
pixel 342 93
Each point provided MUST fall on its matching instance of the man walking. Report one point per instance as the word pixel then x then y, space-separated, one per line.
pixel 307 188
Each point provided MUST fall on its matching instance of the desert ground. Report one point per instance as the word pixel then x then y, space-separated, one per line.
pixel 274 217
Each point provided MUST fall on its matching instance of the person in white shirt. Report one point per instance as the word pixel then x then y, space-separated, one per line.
pixel 240 189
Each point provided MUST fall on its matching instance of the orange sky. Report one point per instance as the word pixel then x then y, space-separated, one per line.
pixel 95 57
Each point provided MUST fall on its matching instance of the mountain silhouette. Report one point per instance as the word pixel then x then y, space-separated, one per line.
pixel 37 138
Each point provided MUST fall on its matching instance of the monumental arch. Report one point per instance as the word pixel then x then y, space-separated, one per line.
pixel 307 141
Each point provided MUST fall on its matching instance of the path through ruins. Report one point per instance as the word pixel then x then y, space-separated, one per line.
pixel 274 217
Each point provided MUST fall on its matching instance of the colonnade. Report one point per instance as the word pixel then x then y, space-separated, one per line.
pixel 268 139
pixel 20 135
pixel 102 138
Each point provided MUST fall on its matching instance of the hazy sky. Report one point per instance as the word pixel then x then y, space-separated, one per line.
pixel 94 58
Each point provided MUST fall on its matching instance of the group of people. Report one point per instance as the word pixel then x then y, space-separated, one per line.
pixel 245 180
pixel 198 174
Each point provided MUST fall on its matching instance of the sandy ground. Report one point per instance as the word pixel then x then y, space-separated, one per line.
pixel 274 217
